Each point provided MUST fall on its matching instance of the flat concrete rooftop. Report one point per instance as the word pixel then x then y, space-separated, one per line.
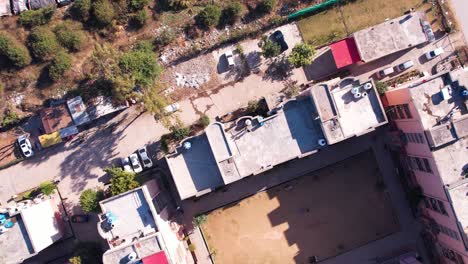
pixel 458 195
pixel 142 248
pixel 133 213
pixel 344 116
pixel 391 36
pixel 15 245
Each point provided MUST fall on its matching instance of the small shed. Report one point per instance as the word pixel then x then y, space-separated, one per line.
pixel 5 8
pixel 78 111
pixel 37 4
pixel 55 118
pixel 345 52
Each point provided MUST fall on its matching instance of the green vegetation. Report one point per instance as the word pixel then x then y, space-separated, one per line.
pixel 154 102
pixel 231 13
pixel 204 121
pixel 89 200
pixel 15 52
pixel 43 43
pixel 291 89
pixel 81 10
pixel 70 36
pixel 176 4
pixel 209 16
pixel 10 118
pixel 139 19
pixel 140 63
pixel 270 49
pixel 164 38
pixel 86 253
pixel 199 220
pixel 180 132
pixel 266 6
pixel 32 18
pixel 60 64
pixel 253 106
pixel 103 13
pixel 135 5
pixel 381 87
pixel 47 188
pixel 121 181
pixel 301 55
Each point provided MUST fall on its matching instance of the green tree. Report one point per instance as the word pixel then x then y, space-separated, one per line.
pixel 47 188
pixel 231 13
pixel 270 49
pixel 209 16
pixel 60 64
pixel 86 253
pixel 103 13
pixel 43 43
pixel 70 36
pixel 139 19
pixel 154 102
pixel 135 5
pixel 180 132
pixel 10 118
pixel 121 181
pixel 301 55
pixel 381 87
pixel 199 220
pixel 89 200
pixel 141 65
pixel 204 121
pixel 32 18
pixel 15 52
pixel 81 10
pixel 266 6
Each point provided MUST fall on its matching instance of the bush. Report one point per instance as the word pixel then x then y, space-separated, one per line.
pixel 301 55
pixel 266 6
pixel 253 106
pixel 32 18
pixel 15 52
pixel 270 49
pixel 204 121
pixel 47 188
pixel 86 253
pixel 59 65
pixel 209 16
pixel 199 220
pixel 135 5
pixel 381 87
pixel 81 9
pixel 140 18
pixel 164 38
pixel 103 13
pixel 176 4
pixel 121 181
pixel 10 118
pixel 89 200
pixel 231 13
pixel 180 132
pixel 43 43
pixel 69 36
pixel 141 65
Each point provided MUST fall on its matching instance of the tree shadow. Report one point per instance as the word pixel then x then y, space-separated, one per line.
pixel 278 70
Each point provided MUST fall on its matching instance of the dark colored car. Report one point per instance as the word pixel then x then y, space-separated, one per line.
pixel 80 218
pixel 278 37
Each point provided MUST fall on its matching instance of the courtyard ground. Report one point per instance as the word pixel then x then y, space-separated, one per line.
pixel 322 213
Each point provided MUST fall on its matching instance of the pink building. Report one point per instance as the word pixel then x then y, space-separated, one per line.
pixel 429 123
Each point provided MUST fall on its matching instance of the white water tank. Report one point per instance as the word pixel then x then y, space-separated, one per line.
pixel 357 95
pixel 322 142
pixel 132 256
pixel 364 94
pixel 368 86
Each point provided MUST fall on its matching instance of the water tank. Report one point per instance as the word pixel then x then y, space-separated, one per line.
pixel 364 94
pixel 368 86
pixel 187 145
pixel 355 90
pixel 132 256
pixel 357 95
pixel 322 142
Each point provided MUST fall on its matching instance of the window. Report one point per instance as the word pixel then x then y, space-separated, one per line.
pixel 400 112
pixel 435 205
pixel 448 232
pixel 407 111
pixel 452 255
pixel 420 164
pixel 427 165
pixel 414 137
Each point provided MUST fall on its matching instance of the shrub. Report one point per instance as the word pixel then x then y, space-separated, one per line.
pixel 59 65
pixel 176 4
pixel 10 118
pixel 121 181
pixel 86 253
pixel 43 43
pixel 192 247
pixel 270 49
pixel 89 200
pixel 199 220
pixel 141 65
pixel 253 106
pixel 266 6
pixel 204 121
pixel 69 36
pixel 15 52
pixel 140 18
pixel 180 132
pixel 231 13
pixel 164 38
pixel 381 87
pixel 301 55
pixel 32 18
pixel 135 5
pixel 47 188
pixel 209 16
pixel 103 13
pixel 81 9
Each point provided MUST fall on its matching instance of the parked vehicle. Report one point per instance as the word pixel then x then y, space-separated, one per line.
pixel 385 72
pixel 38 4
pixel 404 66
pixel 80 218
pixel 25 146
pixel 172 108
pixel 278 37
pixel 230 58
pixel 135 163
pixel 147 162
pixel 18 6
pixel 434 53
pixel 126 164
pixel 64 2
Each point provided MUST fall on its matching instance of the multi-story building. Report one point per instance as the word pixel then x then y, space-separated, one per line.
pixel 430 127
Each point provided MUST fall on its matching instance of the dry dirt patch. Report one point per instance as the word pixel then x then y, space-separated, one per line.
pixel 323 214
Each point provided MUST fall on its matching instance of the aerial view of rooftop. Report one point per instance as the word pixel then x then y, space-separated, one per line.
pixel 238 131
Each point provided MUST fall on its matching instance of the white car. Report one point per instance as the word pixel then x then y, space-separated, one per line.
pixel 126 164
pixel 385 72
pixel 147 163
pixel 135 163
pixel 25 146
pixel 230 58
pixel 404 66
pixel 434 53
pixel 171 108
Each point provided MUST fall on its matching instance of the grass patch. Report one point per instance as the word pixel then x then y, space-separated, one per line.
pixel 322 28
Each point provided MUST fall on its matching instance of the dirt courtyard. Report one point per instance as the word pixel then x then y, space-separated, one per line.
pixel 322 214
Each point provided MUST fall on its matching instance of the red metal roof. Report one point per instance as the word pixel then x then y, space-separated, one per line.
pixel 158 258
pixel 345 52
